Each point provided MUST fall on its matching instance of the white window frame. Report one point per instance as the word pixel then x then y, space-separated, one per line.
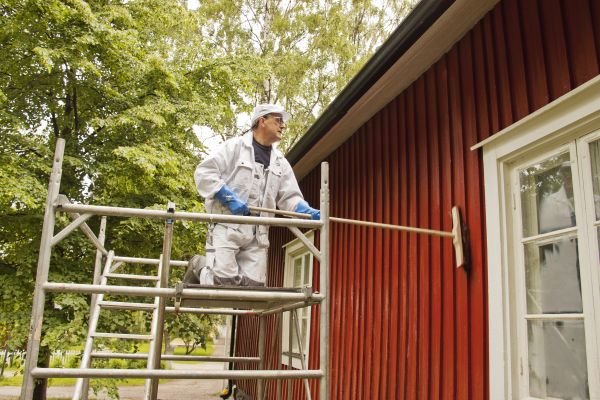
pixel 293 250
pixel 566 119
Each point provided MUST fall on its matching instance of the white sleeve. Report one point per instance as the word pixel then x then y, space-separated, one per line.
pixel 210 173
pixel 289 194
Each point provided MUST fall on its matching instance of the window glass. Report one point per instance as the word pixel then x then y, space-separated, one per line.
pixel 557 360
pixel 306 268
pixel 553 281
pixel 595 164
pixel 547 196
pixel 298 272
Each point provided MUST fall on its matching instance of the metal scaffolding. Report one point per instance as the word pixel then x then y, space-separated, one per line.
pixel 259 302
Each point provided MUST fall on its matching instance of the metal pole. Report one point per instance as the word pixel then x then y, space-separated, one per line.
pixel 214 295
pixel 162 301
pixel 37 311
pixel 173 374
pixel 89 342
pixel 278 354
pixel 154 328
pixel 301 348
pixel 186 216
pixel 290 360
pixel 97 268
pixel 324 283
pixel 261 355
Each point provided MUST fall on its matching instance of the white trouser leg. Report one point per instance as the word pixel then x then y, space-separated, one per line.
pixel 239 260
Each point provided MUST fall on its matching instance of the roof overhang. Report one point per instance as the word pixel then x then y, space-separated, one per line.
pixel 426 34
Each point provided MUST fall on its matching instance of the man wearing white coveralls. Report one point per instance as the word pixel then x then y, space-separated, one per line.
pixel 246 171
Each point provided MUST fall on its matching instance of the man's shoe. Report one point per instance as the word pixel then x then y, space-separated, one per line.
pixel 195 265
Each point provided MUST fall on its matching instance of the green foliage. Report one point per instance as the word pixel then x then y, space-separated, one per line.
pixel 194 330
pixel 304 51
pixel 124 83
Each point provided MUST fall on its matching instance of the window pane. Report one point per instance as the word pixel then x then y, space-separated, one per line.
pixel 595 161
pixel 298 272
pixel 552 277
pixel 304 330
pixel 306 269
pixel 547 196
pixel 557 360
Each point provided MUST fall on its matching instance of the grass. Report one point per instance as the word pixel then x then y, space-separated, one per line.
pixel 18 379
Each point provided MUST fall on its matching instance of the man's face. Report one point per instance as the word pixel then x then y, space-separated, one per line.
pixel 274 127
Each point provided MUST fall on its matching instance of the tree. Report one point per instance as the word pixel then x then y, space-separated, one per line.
pixel 307 50
pixel 123 83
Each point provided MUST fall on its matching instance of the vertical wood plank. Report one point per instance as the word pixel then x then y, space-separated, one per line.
pixel 458 181
pixel 516 64
pixel 403 328
pixel 395 205
pixel 502 75
pixel 423 264
pixel 413 254
pixel 436 262
pixel 583 55
pixel 535 68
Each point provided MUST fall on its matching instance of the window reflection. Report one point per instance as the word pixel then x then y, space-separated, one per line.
pixel 547 196
pixel 557 360
pixel 552 277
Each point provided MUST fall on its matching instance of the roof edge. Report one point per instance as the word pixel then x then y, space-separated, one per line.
pixel 420 19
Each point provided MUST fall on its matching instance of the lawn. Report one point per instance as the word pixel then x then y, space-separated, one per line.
pixel 18 379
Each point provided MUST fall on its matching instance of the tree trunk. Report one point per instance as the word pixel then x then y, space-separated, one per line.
pixel 4 361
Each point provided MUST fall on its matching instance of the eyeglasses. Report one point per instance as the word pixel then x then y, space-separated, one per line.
pixel 277 119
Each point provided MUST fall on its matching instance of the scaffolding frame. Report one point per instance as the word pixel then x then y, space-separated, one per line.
pixel 233 301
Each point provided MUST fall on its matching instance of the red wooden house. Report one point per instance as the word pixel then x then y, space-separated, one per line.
pixel 493 106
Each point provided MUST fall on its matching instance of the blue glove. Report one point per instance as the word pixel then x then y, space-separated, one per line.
pixel 234 203
pixel 304 208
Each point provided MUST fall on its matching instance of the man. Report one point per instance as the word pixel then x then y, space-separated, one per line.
pixel 246 171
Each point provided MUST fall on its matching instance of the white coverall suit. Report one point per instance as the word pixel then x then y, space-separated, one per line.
pixel 237 254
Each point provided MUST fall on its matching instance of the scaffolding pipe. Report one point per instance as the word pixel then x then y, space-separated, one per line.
pixel 154 327
pixel 62 199
pixel 204 294
pixel 70 228
pixel 289 307
pixel 94 298
pixel 311 247
pixel 174 357
pixel 39 294
pixel 162 301
pixel 216 311
pixel 301 349
pixel 186 216
pixel 172 374
pixel 324 283
pixel 261 355
pixel 290 356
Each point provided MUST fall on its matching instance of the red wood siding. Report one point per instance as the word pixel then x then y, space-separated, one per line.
pixel 405 323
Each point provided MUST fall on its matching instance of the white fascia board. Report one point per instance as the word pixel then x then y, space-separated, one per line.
pixel 458 20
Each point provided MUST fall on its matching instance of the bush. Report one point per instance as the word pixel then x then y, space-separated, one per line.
pixel 73 361
pixel 117 364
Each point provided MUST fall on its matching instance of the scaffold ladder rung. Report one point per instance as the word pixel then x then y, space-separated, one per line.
pixel 173 357
pixel 134 277
pixel 121 305
pixel 131 336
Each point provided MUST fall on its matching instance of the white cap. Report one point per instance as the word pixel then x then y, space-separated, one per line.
pixel 264 109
